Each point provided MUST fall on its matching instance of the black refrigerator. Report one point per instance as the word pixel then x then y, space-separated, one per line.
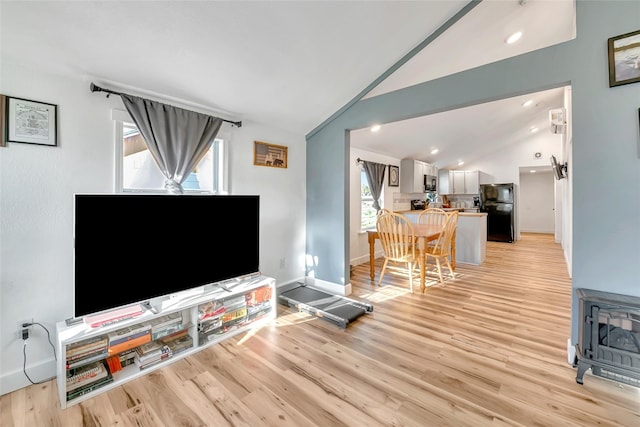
pixel 497 200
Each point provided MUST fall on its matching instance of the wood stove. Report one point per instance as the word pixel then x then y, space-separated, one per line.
pixel 609 341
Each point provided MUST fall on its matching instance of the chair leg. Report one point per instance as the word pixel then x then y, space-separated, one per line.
pixel 440 270
pixel 410 276
pixel 453 274
pixel 384 265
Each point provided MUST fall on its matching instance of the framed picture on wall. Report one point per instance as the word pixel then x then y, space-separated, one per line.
pixel 3 125
pixel 265 154
pixel 31 122
pixel 394 176
pixel 624 59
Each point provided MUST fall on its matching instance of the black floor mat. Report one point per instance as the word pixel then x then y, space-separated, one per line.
pixel 333 308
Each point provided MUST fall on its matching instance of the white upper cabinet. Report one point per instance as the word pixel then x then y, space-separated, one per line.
pixel 472 182
pixel 412 174
pixel 459 182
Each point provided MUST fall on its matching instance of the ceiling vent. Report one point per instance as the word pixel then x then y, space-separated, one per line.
pixel 558 120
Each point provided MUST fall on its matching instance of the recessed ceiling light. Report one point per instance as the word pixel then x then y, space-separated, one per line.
pixel 460 163
pixel 434 151
pixel 514 37
pixel 527 103
pixel 375 128
pixel 532 171
pixel 533 129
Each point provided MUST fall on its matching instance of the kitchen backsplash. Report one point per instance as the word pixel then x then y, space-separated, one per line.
pixel 402 201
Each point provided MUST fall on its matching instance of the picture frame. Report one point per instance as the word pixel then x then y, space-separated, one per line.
pixel 271 155
pixel 3 121
pixel 394 176
pixel 624 59
pixel 31 122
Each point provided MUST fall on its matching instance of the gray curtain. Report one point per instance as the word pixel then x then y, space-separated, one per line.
pixel 375 176
pixel 177 138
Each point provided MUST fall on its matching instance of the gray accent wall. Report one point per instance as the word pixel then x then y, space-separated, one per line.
pixel 605 166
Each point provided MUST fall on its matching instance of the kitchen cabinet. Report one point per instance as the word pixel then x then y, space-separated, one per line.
pixel 412 174
pixel 459 182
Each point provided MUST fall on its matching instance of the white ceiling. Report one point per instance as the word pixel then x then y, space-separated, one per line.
pixel 290 64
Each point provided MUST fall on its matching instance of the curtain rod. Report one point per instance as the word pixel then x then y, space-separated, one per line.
pixel 359 160
pixel 95 88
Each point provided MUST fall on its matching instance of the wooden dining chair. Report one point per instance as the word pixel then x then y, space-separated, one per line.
pixel 397 237
pixel 440 251
pixel 434 216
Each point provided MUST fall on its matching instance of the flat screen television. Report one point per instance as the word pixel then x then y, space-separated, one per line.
pixel 558 169
pixel 131 248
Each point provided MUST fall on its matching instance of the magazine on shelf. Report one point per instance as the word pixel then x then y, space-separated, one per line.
pixel 119 348
pixel 210 309
pixel 168 330
pixel 162 322
pixel 126 334
pixel 179 344
pixel 90 387
pixel 86 374
pixel 86 345
pixel 85 360
pixel 85 354
pixel 177 334
pixel 154 361
pixel 151 350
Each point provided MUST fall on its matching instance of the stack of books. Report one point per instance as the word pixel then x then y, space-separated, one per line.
pixel 87 351
pixel 258 302
pixel 235 311
pixel 87 378
pixel 128 338
pixel 151 353
pixel 126 357
pixel 217 317
pixel 179 344
pixel 165 325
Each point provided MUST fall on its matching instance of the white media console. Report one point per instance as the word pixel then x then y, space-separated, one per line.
pixel 95 359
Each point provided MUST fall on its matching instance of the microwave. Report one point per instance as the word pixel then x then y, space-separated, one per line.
pixel 430 183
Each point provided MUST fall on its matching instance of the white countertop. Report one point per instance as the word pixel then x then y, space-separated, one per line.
pixel 417 211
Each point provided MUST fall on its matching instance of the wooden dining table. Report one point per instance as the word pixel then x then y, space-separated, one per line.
pixel 424 232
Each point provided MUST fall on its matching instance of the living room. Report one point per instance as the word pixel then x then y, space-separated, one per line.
pixel 297 219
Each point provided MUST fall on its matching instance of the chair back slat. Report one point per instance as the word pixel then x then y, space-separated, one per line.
pixel 442 245
pixel 396 235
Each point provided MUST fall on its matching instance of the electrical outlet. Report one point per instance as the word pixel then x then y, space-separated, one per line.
pixel 23 331
pixel 283 263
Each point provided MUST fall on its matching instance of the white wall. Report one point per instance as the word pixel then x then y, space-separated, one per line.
pixel 537 202
pixel 37 184
pixel 503 166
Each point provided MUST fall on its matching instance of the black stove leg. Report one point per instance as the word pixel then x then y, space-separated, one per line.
pixel 582 368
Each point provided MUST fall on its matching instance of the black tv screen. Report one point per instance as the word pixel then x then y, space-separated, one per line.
pixel 132 248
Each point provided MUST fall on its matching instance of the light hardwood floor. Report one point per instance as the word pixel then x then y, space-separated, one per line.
pixel 487 349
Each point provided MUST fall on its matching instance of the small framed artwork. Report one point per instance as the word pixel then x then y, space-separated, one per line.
pixel 394 176
pixel 3 125
pixel 265 154
pixel 624 59
pixel 31 122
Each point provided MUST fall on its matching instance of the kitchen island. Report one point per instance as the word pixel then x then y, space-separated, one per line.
pixel 471 235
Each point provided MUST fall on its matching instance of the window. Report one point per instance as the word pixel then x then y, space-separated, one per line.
pixel 137 171
pixel 368 213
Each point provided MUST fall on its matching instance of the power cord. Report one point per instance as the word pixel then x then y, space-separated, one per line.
pixel 24 353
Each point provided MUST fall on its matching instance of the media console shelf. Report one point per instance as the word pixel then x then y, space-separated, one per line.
pixel 93 360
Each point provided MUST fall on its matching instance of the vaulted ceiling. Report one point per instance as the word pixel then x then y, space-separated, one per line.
pixel 287 64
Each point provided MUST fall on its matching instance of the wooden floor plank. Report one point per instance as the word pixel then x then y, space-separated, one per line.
pixel 486 349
